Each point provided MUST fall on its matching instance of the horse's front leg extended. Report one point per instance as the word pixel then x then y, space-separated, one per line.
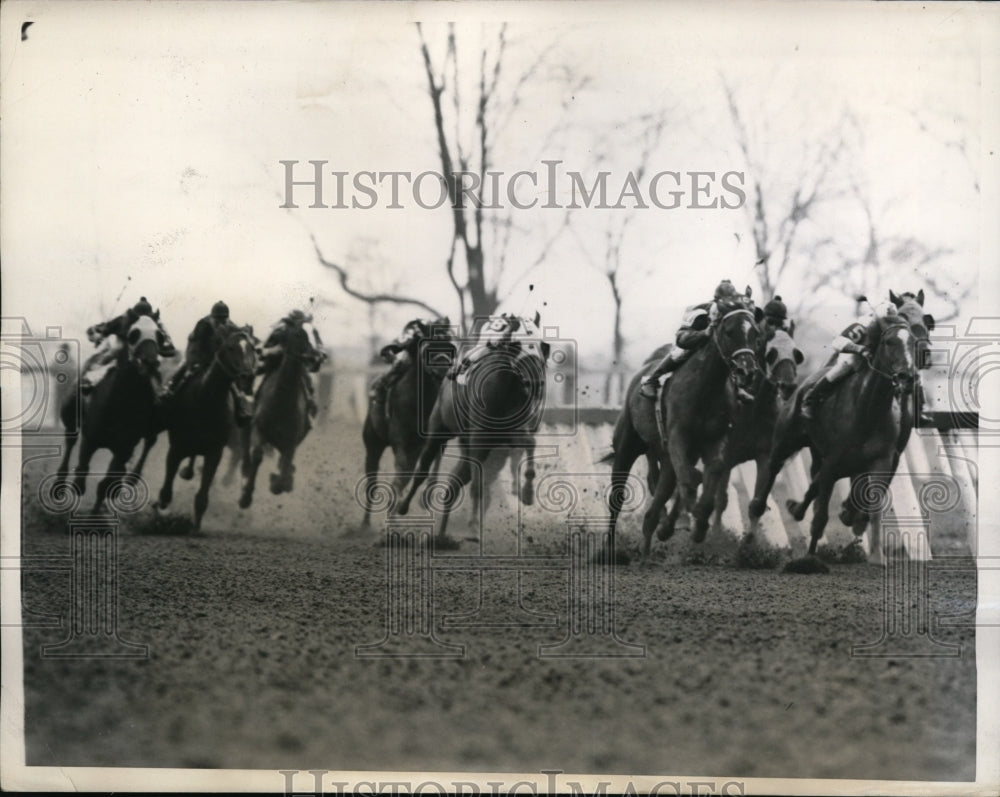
pixel 683 461
pixel 210 464
pixel 716 475
pixel 253 455
pixel 664 488
pixel 174 458
pixel 117 472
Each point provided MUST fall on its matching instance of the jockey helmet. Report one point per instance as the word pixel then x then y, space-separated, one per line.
pixel 142 307
pixel 775 310
pixel 725 290
pixel 220 310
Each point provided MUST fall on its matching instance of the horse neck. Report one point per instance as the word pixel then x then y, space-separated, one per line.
pixel 875 396
pixel 709 362
pixel 216 379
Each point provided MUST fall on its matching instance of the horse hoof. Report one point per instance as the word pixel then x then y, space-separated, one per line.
pixel 245 501
pixel 846 517
pixel 756 508
pixel 403 508
pixel 796 509
pixel 700 531
pixel 527 495
pixel 275 484
pixel 186 473
pixel 664 532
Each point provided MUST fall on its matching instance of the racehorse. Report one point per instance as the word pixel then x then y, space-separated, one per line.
pixel 402 421
pixel 281 415
pixel 752 430
pixel 117 414
pixel 856 434
pixel 202 415
pixel 496 403
pixel 695 409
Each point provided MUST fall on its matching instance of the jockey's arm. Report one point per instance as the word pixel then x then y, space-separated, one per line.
pixel 695 329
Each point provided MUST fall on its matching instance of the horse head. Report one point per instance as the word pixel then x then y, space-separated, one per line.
pixel 782 358
pixel 736 337
pixel 142 345
pixel 894 356
pixel 438 348
pixel 911 307
pixel 237 353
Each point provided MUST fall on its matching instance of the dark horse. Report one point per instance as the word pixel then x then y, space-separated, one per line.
pixel 117 414
pixel 696 407
pixel 281 415
pixel 857 433
pixel 402 421
pixel 752 429
pixel 201 417
pixel 496 403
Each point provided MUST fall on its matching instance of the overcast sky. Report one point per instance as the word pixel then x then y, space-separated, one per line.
pixel 141 147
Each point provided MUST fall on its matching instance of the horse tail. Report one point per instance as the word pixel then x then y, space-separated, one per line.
pixel 622 426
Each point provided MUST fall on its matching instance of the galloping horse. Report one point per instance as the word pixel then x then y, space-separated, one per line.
pixel 281 415
pixel 402 422
pixel 496 403
pixel 856 434
pixel 117 414
pixel 752 429
pixel 202 417
pixel 696 407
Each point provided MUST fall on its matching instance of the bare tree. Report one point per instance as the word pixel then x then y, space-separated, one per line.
pixel 784 195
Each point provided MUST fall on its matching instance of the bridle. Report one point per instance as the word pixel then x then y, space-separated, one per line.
pixel 732 360
pixel 893 378
pixel 229 370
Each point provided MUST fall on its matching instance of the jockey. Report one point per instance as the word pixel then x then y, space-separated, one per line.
pixel 854 347
pixel 109 337
pixel 313 357
pixel 399 354
pixel 776 316
pixel 202 344
pixel 497 330
pixel 696 329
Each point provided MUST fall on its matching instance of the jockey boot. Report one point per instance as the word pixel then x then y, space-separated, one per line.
pixel 814 397
pixel 672 359
pixel 743 395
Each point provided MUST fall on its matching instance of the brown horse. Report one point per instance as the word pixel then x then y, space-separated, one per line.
pixel 117 414
pixel 497 403
pixel 402 421
pixel 696 406
pixel 281 416
pixel 202 416
pixel 749 437
pixel 856 434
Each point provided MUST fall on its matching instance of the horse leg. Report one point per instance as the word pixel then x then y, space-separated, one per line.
pixel 210 464
pixel 69 440
pixel 253 455
pixel 721 499
pixel 284 480
pixel 187 472
pixel 715 477
pixel 879 481
pixel 430 452
pixel 687 478
pixel 87 450
pixel 849 514
pixel 117 472
pixel 627 451
pixel 652 472
pixel 664 488
pixel 374 448
pixel 528 488
pixel 167 490
pixel 824 482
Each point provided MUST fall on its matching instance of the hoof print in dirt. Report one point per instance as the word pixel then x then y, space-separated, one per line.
pixel 807 565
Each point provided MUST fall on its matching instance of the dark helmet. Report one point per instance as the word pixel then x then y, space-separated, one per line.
pixel 775 310
pixel 220 310
pixel 725 290
pixel 142 307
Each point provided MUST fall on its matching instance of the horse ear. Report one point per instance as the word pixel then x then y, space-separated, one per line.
pixel 544 346
pixel 920 297
pixel 791 330
pixel 798 356
pixel 749 292
pixel 929 322
pixel 895 299
pixel 538 317
pixel 771 356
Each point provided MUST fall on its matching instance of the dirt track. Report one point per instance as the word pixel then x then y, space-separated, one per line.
pixel 252 629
